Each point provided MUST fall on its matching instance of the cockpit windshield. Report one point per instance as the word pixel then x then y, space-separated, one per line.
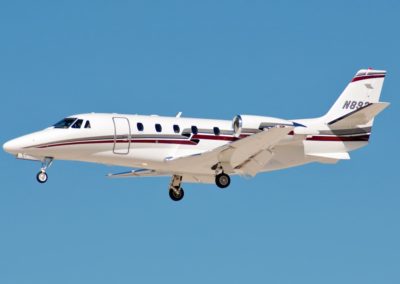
pixel 65 123
pixel 77 124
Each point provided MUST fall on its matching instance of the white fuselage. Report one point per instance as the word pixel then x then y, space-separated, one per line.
pixel 137 141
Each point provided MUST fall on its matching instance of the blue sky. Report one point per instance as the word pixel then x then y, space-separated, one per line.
pixel 291 59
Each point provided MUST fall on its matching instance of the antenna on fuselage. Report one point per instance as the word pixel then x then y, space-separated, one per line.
pixel 178 114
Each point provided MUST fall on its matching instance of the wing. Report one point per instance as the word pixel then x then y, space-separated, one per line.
pixel 153 173
pixel 138 173
pixel 246 156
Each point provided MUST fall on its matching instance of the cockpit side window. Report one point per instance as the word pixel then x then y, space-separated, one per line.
pixel 87 124
pixel 65 123
pixel 77 124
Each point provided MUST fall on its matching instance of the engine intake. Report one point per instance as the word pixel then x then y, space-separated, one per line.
pixel 237 125
pixel 254 123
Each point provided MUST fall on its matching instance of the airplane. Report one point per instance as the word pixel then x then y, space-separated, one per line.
pixel 194 150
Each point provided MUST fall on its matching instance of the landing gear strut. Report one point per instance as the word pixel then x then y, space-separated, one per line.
pixel 175 190
pixel 222 180
pixel 42 176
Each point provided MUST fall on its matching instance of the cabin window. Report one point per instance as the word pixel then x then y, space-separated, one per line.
pixel 216 131
pixel 195 130
pixel 176 128
pixel 158 127
pixel 139 126
pixel 77 124
pixel 87 124
pixel 65 123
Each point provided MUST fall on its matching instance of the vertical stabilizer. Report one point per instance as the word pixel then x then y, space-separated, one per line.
pixel 365 88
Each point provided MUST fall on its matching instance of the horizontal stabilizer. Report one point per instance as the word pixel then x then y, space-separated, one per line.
pixel 360 116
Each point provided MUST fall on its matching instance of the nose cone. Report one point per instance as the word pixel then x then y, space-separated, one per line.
pixel 13 146
pixel 24 143
pixel 17 145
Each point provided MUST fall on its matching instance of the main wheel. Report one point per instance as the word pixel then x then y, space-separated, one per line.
pixel 42 177
pixel 176 195
pixel 222 180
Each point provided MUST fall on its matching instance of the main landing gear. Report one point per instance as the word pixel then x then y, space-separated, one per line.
pixel 42 175
pixel 222 180
pixel 175 190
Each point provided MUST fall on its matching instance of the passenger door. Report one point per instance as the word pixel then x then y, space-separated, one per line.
pixel 122 135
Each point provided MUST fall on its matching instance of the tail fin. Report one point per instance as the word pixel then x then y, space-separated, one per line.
pixel 364 89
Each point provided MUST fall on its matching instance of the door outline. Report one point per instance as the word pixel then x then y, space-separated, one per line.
pixel 122 128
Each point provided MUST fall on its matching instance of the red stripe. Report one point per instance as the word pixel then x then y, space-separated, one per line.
pixel 355 79
pixel 78 143
pixel 204 137
pixel 219 137
pixel 337 138
pixel 214 137
pixel 183 142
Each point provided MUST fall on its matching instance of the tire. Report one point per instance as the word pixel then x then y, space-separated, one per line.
pixel 222 180
pixel 42 177
pixel 176 197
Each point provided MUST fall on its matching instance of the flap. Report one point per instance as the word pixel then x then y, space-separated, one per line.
pixel 256 163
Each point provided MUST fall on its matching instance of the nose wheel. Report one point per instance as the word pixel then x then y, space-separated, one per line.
pixel 42 176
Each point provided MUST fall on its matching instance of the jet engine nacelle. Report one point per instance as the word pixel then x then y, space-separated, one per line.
pixel 253 123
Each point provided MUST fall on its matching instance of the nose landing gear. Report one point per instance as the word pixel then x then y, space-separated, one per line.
pixel 42 176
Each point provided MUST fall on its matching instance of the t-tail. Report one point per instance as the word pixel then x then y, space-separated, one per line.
pixel 349 121
pixel 359 103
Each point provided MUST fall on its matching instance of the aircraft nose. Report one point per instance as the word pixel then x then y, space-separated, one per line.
pixel 21 144
pixel 12 146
